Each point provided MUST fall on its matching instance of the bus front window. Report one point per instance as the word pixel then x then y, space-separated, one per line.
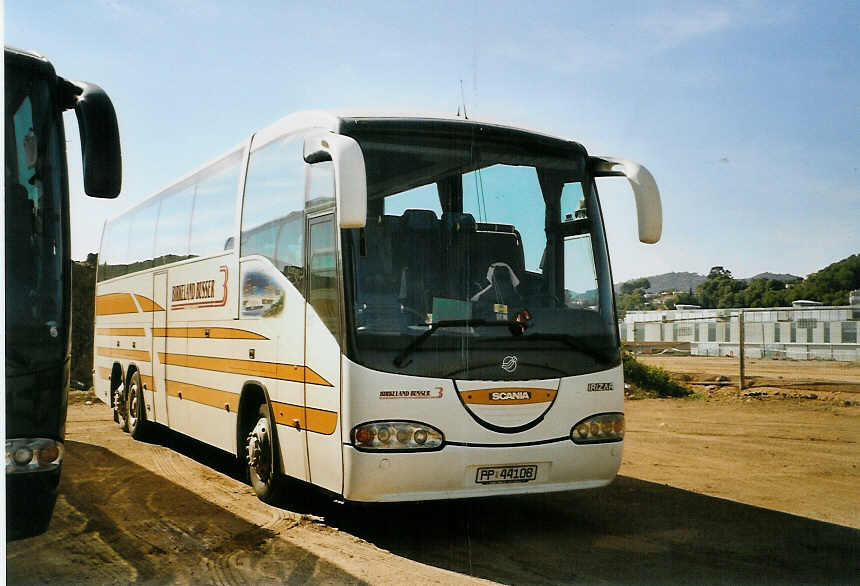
pixel 35 328
pixel 475 251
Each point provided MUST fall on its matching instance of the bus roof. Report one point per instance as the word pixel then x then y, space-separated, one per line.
pixel 336 122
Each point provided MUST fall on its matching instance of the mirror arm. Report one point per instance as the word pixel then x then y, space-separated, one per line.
pixel 100 146
pixel 350 176
pixel 649 209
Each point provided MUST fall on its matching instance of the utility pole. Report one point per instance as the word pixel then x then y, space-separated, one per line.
pixel 741 345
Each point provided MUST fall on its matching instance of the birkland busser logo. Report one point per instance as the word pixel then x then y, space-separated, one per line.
pixel 597 387
pixel 200 294
pixel 510 396
pixel 194 291
pixel 434 393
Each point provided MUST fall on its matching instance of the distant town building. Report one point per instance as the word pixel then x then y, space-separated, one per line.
pixel 804 332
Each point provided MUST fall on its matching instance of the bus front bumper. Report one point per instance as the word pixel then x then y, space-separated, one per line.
pixel 30 499
pixel 463 472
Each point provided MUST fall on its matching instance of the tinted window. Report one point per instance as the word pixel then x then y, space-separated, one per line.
pixel 322 293
pixel 141 236
pixel 320 184
pixel 272 220
pixel 171 235
pixel 114 255
pixel 213 213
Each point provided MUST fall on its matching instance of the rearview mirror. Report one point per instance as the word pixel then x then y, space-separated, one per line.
pixel 350 179
pixel 649 210
pixel 100 148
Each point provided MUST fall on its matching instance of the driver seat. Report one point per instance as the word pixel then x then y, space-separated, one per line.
pixel 502 288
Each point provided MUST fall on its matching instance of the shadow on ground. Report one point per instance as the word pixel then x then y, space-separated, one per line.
pixel 118 522
pixel 144 528
pixel 630 532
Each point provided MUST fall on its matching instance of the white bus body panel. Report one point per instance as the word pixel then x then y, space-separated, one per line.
pixel 450 472
pixel 287 340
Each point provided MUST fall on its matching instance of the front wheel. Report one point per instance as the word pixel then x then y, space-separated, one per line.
pixel 261 453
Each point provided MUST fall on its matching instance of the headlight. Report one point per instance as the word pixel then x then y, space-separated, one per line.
pixel 32 455
pixel 396 436
pixel 607 427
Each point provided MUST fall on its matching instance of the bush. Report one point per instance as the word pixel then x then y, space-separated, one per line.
pixel 651 378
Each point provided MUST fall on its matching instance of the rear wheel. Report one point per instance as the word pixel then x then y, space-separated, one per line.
pixel 261 455
pixel 136 413
pixel 120 407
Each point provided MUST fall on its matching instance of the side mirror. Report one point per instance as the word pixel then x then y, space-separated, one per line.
pixel 100 148
pixel 649 210
pixel 350 179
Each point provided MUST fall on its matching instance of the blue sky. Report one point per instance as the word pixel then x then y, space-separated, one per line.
pixel 747 113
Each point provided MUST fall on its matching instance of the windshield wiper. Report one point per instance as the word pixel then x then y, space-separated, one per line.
pixel 453 323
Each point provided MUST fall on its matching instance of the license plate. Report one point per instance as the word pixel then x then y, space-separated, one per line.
pixel 501 474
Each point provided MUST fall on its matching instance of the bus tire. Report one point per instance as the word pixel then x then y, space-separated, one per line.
pixel 262 456
pixel 120 406
pixel 135 410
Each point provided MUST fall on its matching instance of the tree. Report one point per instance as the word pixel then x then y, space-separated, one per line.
pixel 630 286
pixel 720 290
pixel 719 272
pixel 632 301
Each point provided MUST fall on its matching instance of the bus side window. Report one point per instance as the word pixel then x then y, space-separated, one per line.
pixel 171 235
pixel 141 236
pixel 272 211
pixel 322 268
pixel 213 211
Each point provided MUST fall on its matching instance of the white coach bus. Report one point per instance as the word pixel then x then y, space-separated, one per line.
pixel 390 308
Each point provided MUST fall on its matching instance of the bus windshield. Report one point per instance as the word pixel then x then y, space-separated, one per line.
pixel 483 256
pixel 35 324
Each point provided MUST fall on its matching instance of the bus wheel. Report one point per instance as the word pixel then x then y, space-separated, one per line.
pixel 261 454
pixel 136 414
pixel 120 414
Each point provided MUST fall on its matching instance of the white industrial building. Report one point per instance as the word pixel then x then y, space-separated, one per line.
pixel 801 332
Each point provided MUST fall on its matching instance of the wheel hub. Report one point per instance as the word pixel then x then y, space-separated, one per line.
pixel 118 403
pixel 258 450
pixel 132 405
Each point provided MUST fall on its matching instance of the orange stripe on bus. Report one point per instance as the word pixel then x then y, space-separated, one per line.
pixel 290 372
pixel 204 395
pixel 224 334
pixel 115 303
pixel 122 353
pixel 169 332
pixel 120 331
pixel 214 333
pixel 147 304
pixel 316 420
pixel 506 396
pixel 320 421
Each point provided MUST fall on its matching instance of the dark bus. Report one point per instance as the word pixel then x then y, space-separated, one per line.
pixel 38 269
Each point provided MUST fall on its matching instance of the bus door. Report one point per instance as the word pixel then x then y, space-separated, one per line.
pixel 159 347
pixel 323 354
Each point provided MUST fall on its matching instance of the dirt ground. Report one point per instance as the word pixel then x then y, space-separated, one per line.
pixel 781 375
pixel 718 489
